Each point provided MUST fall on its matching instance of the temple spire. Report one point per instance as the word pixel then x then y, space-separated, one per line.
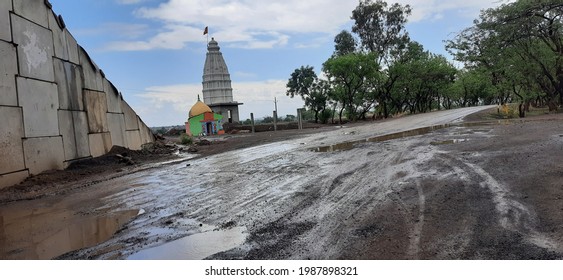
pixel 217 89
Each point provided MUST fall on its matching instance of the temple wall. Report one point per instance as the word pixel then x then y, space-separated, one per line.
pixel 56 105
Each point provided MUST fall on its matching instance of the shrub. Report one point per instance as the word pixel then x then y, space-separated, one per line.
pixel 186 140
pixel 508 111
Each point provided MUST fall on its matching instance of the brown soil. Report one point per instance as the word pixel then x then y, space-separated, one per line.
pixel 122 161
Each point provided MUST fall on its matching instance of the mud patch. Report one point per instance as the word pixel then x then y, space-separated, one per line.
pixel 275 239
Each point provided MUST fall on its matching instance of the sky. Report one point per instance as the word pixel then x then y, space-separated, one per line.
pixel 153 51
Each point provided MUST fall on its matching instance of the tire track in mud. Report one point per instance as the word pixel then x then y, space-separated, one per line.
pixel 416 233
pixel 512 215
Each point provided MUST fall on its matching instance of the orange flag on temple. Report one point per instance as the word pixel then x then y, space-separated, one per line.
pixel 206 30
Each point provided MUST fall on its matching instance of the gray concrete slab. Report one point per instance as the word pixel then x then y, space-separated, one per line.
pixel 10 179
pixel 113 97
pixel 35 49
pixel 68 77
pixel 133 138
pixel 40 102
pixel 96 108
pixel 145 132
pixel 43 153
pixel 131 122
pixel 72 48
pixel 8 71
pixel 59 38
pixel 92 76
pixel 5 26
pixel 100 143
pixel 66 126
pixel 11 134
pixel 34 10
pixel 116 123
pixel 80 120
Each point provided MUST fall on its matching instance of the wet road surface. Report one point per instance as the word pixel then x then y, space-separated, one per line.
pixel 309 198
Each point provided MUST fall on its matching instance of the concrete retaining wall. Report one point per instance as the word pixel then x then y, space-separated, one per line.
pixel 56 106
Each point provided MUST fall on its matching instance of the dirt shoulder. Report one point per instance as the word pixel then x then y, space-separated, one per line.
pixel 121 161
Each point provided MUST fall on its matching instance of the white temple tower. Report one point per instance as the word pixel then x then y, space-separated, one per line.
pixel 217 89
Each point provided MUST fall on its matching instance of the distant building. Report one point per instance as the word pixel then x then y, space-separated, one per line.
pixel 202 121
pixel 217 89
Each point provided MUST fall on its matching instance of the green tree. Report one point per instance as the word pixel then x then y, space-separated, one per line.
pixel 380 27
pixel 289 118
pixel 267 119
pixel 423 80
pixel 344 43
pixel 521 45
pixel 314 92
pixel 349 75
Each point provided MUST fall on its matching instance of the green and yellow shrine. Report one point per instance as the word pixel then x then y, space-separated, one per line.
pixel 203 121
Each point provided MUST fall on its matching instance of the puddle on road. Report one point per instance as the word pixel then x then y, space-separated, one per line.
pixel 398 135
pixel 194 247
pixel 447 142
pixel 39 234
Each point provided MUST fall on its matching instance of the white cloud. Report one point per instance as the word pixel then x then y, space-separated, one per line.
pixel 258 98
pixel 254 24
pixel 174 37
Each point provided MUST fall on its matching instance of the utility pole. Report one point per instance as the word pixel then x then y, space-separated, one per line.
pixel 276 114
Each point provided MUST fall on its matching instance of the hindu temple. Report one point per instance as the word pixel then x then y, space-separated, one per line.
pixel 217 89
pixel 203 121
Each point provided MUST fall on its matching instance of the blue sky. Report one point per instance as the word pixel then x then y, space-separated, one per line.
pixel 154 50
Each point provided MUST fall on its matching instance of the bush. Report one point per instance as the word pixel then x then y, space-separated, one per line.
pixel 325 116
pixel 508 111
pixel 186 140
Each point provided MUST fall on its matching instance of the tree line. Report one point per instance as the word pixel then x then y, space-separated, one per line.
pixel 512 53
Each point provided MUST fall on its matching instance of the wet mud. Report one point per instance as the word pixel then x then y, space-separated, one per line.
pixel 487 191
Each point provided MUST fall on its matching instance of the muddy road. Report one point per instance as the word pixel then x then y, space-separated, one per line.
pixel 455 191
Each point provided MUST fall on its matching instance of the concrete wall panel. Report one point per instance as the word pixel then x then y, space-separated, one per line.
pixel 34 10
pixel 66 125
pixel 146 134
pixel 59 38
pixel 35 49
pixel 80 120
pixel 96 108
pixel 10 179
pixel 113 98
pixel 133 138
pixel 116 124
pixel 44 153
pixel 92 77
pixel 5 26
pixel 8 71
pixel 68 77
pixel 40 102
pixel 72 48
pixel 131 122
pixel 100 144
pixel 11 134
